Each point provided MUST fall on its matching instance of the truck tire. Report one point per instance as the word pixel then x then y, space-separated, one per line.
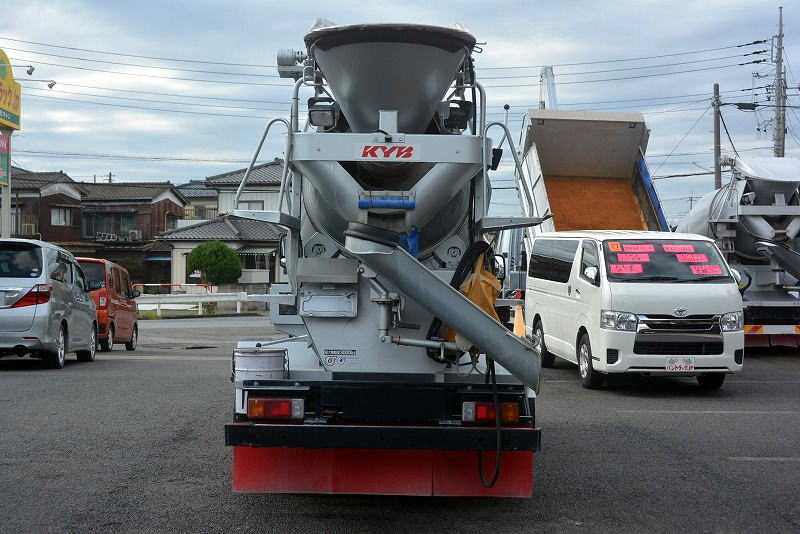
pixel 711 381
pixel 590 379
pixel 55 360
pixel 548 358
pixel 107 344
pixel 89 354
pixel 131 345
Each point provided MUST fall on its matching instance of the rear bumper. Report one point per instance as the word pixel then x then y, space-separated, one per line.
pixel 38 339
pixel 381 437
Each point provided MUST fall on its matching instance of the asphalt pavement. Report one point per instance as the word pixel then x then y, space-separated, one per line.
pixel 133 442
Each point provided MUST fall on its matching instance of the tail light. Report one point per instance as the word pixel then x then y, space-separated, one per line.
pixel 102 301
pixel 519 293
pixel 39 294
pixel 275 408
pixel 483 412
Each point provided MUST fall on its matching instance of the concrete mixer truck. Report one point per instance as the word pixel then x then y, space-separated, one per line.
pixel 396 377
pixel 755 220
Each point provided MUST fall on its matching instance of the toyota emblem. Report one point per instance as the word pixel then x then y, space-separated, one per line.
pixel 680 312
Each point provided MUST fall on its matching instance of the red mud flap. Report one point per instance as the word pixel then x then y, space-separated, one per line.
pixel 379 472
pixel 771 340
pixel 368 469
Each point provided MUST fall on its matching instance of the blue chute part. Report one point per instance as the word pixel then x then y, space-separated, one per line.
pixel 387 202
pixel 410 241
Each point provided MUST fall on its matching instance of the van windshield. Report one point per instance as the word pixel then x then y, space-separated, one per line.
pixel 664 260
pixel 20 261
pixel 94 272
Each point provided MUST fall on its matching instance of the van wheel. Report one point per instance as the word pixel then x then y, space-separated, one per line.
pixel 89 354
pixel 590 378
pixel 55 360
pixel 131 345
pixel 548 358
pixel 108 343
pixel 711 381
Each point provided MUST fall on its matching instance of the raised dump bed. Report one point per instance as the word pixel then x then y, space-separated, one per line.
pixel 587 169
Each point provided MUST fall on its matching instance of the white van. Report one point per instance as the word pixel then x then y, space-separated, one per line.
pixel 653 303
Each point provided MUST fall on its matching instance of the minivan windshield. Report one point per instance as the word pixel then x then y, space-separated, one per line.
pixel 20 261
pixel 664 260
pixel 94 272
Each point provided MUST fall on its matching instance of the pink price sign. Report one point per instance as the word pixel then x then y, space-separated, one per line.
pixel 627 268
pixel 678 248
pixel 639 258
pixel 644 247
pixel 692 258
pixel 706 269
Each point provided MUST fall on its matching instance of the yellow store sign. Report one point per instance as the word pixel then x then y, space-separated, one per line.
pixel 10 95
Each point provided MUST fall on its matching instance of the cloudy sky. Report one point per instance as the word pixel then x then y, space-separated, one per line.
pixel 124 104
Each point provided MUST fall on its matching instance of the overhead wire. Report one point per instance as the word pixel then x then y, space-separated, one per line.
pixel 684 137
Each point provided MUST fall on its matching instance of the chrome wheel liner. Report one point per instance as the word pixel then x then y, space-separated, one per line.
pixel 62 346
pixel 93 344
pixel 583 359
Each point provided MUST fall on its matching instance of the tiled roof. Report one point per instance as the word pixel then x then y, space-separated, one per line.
pixel 226 228
pixel 24 179
pixel 263 173
pixel 197 189
pixel 125 190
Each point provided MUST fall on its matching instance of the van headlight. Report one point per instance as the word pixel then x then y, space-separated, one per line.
pixel 730 322
pixel 613 320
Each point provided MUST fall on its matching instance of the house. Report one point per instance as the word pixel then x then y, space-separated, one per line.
pixel 261 191
pixel 46 205
pixel 130 211
pixel 255 243
pixel 202 204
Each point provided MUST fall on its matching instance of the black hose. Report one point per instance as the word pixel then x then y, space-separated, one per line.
pixel 490 374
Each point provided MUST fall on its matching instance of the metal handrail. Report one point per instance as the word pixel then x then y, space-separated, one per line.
pixel 255 157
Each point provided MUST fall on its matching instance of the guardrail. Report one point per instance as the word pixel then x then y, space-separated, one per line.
pixel 170 286
pixel 199 299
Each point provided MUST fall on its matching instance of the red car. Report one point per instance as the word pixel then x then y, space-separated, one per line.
pixel 117 313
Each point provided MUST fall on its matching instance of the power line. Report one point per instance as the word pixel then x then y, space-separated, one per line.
pixel 138 56
pixel 629 59
pixel 684 136
pixel 145 66
pixel 58 154
pixel 637 76
pixel 722 118
pixel 139 75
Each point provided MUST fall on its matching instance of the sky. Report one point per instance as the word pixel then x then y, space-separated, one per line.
pixel 123 104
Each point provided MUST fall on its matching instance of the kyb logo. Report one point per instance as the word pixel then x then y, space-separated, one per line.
pixel 387 152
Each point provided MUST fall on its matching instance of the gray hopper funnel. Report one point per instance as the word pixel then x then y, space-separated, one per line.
pixel 403 67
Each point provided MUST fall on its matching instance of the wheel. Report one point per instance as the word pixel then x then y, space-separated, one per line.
pixel 131 345
pixel 89 354
pixel 711 381
pixel 548 358
pixel 107 344
pixel 55 360
pixel 590 378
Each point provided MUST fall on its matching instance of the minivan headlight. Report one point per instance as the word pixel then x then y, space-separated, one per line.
pixel 731 322
pixel 613 320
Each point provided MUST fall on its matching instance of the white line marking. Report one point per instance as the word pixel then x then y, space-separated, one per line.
pixel 712 412
pixel 764 458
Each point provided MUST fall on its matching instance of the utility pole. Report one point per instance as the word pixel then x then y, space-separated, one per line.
pixel 717 148
pixel 109 178
pixel 779 124
pixel 95 178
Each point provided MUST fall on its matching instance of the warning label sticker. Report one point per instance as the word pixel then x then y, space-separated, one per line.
pixel 340 356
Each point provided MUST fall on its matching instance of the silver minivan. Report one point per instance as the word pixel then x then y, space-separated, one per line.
pixel 45 308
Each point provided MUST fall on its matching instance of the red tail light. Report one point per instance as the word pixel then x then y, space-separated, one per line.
pixel 102 301
pixel 519 293
pixel 275 408
pixel 483 412
pixel 39 294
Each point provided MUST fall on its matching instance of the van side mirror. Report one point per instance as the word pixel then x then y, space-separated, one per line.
pixel 500 266
pixel 736 276
pixel 93 285
pixel 592 273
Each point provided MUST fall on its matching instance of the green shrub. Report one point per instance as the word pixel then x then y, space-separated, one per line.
pixel 217 263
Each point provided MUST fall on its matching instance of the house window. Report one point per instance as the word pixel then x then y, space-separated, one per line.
pixel 251 205
pixel 60 216
pixel 254 261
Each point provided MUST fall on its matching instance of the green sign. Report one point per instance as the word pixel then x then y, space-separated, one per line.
pixel 5 160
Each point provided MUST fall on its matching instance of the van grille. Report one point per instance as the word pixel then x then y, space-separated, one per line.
pixel 688 348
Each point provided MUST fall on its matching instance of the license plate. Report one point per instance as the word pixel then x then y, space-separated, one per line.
pixel 679 364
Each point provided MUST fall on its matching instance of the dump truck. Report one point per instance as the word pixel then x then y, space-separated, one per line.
pixel 755 221
pixel 582 170
pixel 395 375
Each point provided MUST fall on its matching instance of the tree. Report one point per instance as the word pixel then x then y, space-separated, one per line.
pixel 217 263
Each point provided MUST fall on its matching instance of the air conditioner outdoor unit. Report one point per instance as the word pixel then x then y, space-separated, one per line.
pixel 28 229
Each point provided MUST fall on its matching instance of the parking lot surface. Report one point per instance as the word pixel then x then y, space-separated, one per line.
pixel 133 442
